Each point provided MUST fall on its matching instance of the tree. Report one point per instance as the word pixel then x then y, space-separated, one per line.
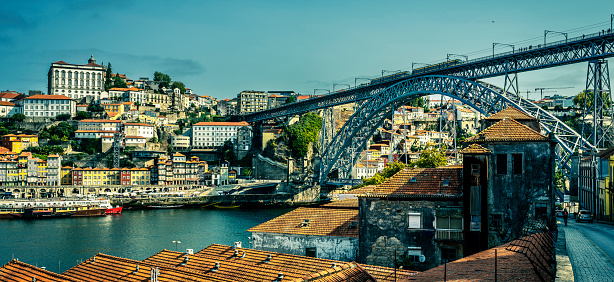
pixel 418 102
pixel 108 81
pixel 431 157
pixel 95 108
pixel 18 117
pixel 163 79
pixel 180 85
pixel 290 100
pixel 379 178
pixel 303 133
pixel 62 117
pixel 81 115
pixel 118 82
pixel 579 99
pixel 153 140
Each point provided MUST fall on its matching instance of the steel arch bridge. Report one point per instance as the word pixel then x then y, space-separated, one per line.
pixel 341 152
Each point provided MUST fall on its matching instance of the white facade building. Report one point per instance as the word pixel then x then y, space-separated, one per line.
pixel 76 81
pixel 94 133
pixel 100 124
pixel 180 142
pixel 139 129
pixel 208 135
pixel 132 94
pixel 48 106
pixel 8 109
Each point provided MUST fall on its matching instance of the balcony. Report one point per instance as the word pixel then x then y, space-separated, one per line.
pixel 449 234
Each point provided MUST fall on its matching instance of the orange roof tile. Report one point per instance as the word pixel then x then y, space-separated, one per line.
pixel 5 103
pixel 135 137
pixel 475 149
pixel 507 130
pixel 100 120
pixel 48 97
pixel 22 272
pixel 346 204
pixel 511 112
pixel 223 123
pixel 137 124
pixel 421 182
pixel 361 190
pixel 322 222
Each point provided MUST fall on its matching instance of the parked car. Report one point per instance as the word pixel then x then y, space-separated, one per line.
pixel 559 213
pixel 584 215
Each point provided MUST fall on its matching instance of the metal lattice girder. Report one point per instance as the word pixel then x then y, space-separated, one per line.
pixel 483 97
pixel 599 114
pixel 575 50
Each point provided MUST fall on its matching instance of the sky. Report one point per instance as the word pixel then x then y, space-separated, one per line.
pixel 220 48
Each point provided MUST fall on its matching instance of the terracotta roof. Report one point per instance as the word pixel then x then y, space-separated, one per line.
pixel 362 190
pixel 96 131
pixel 135 137
pixel 512 263
pixel 475 149
pixel 302 97
pixel 322 222
pixel 48 97
pixel 53 156
pixel 224 123
pixel 101 120
pixel 507 130
pixel 5 103
pixel 178 154
pixel 22 272
pixel 421 182
pixel 346 204
pixel 61 63
pixel 511 112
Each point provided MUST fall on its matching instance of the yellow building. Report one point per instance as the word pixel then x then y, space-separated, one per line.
pixel 98 176
pixel 17 143
pixel 114 110
pixel 66 175
pixel 139 176
pixel 23 167
pixel 608 195
pixel 41 171
pixel 269 134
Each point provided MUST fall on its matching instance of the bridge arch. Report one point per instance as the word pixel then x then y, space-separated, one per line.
pixel 342 152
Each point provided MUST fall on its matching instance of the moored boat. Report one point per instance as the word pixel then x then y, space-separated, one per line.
pixel 42 213
pixel 115 210
pixel 165 207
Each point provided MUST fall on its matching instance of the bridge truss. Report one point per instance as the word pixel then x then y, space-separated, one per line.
pixel 485 98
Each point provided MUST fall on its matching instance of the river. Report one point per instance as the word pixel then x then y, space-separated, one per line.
pixel 59 244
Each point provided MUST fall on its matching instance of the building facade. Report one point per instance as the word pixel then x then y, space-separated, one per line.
pixel 77 81
pixel 209 135
pixel 251 102
pixel 48 106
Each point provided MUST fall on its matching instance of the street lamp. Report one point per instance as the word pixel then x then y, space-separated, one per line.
pixel 503 44
pixel 176 242
pixel 552 31
pixel 334 84
pixel 319 89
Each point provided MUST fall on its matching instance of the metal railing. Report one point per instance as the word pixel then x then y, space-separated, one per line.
pixel 449 234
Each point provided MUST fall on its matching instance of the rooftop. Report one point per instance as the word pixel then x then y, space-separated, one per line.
pixel 421 182
pixel 510 112
pixel 507 130
pixel 312 221
pixel 47 97
pixel 223 123
pixel 475 149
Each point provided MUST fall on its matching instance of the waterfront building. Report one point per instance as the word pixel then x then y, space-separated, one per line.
pixel 19 142
pixel 211 135
pixel 77 81
pixel 96 176
pixel 47 107
pixel 251 102
pixel 326 233
pixel 54 165
pixel 66 175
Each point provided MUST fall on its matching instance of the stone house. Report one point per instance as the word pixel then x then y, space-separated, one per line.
pixel 415 218
pixel 327 233
pixel 508 180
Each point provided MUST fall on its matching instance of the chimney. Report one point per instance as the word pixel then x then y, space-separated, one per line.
pixel 237 245
pixel 216 267
pixel 136 270
pixel 268 259
pixel 236 254
pixel 280 276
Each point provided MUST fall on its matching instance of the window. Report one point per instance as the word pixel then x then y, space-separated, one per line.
pixel 516 163
pixel 414 221
pixel 448 255
pixel 475 201
pixel 449 223
pixel 311 252
pixel 414 254
pixel 501 163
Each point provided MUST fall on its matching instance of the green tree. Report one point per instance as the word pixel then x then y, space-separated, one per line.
pixel 431 157
pixel 3 131
pixel 95 108
pixel 180 85
pixel 290 100
pixel 18 117
pixel 418 102
pixel 118 82
pixel 44 134
pixel 559 180
pixel 108 80
pixel 303 133
pixel 579 99
pixel 153 140
pixel 164 79
pixel 62 117
pixel 81 115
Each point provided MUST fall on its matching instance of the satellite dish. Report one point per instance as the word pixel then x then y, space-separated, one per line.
pixel 421 258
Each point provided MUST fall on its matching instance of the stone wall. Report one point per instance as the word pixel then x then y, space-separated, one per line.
pixel 265 168
pixel 384 228
pixel 326 247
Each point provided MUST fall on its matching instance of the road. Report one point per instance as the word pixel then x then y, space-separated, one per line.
pixel 591 250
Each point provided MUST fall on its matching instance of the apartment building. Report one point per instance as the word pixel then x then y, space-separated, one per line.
pixel 209 135
pixel 47 106
pixel 251 102
pixel 20 142
pixel 139 129
pixel 100 124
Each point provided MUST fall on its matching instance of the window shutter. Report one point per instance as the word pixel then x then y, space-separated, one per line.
pixel 414 220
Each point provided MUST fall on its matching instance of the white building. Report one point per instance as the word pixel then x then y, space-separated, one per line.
pixel 137 141
pixel 100 124
pixel 54 166
pixel 76 81
pixel 180 142
pixel 94 133
pixel 7 109
pixel 139 129
pixel 208 135
pixel 48 106
pixel 131 94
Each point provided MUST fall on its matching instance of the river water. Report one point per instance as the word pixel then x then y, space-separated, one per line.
pixel 59 244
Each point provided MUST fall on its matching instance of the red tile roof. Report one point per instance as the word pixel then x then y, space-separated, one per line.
pixel 61 63
pixel 137 124
pixel 100 120
pixel 322 222
pixel 22 272
pixel 475 149
pixel 346 204
pixel 135 137
pixel 48 97
pixel 421 182
pixel 507 130
pixel 511 112
pixel 223 123
pixel 5 103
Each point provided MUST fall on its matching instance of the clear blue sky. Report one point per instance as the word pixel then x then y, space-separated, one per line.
pixel 220 48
